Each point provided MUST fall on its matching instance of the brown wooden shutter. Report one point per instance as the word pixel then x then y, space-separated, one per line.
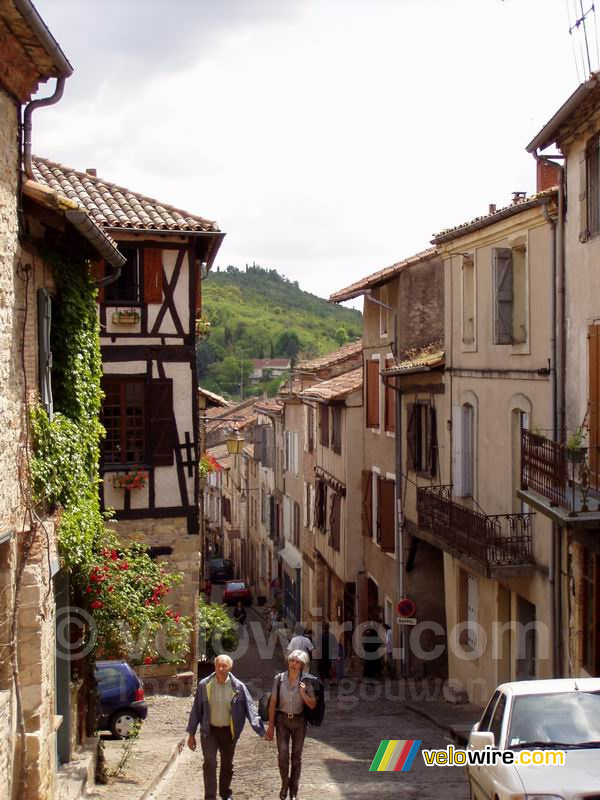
pixel 432 443
pixel 336 502
pixel 503 277
pixel 387 536
pixel 390 400
pixel 162 439
pixel 324 420
pixel 372 394
pixel 153 275
pixel 367 502
pixel 98 271
pixel 583 196
pixel 378 521
pixel 296 523
pixel 411 436
pixel 594 400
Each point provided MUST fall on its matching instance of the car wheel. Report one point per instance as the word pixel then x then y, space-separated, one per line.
pixel 122 723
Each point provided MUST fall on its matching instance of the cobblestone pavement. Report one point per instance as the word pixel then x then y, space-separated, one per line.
pixel 337 756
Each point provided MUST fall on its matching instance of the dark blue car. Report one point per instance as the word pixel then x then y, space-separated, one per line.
pixel 122 701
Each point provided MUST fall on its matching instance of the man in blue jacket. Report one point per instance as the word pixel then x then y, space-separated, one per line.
pixel 221 707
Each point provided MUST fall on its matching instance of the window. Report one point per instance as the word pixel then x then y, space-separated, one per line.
pixel 336 429
pixel 324 425
pixel 463 446
pixel 306 504
pixel 126 289
pixel 386 529
pixel 291 452
pixel 421 439
pixel 367 502
pixel 372 383
pixel 590 190
pixel 138 418
pixel 503 295
pixel 496 723
pixel 320 505
pixel 335 520
pixel 468 300
pixel 309 433
pixel 296 525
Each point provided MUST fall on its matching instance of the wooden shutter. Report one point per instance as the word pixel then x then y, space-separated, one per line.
pixel 227 509
pixel 503 277
pixel 367 502
pixel 44 350
pixel 411 436
pixel 153 275
pixel 432 443
pixel 390 400
pixel 336 503
pixel 457 455
pixel 98 271
pixel 377 478
pixel 387 536
pixel 372 382
pixel 583 196
pixel 594 401
pixel 162 439
pixel 324 426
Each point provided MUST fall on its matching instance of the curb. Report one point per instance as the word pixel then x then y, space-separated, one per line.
pixel 177 751
pixel 457 733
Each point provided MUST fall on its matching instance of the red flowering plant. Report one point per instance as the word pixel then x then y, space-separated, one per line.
pixel 136 478
pixel 127 594
pixel 208 465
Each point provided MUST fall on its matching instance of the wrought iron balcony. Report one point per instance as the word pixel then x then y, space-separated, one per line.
pixel 495 546
pixel 559 481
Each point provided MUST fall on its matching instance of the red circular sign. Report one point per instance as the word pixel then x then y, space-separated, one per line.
pixel 406 607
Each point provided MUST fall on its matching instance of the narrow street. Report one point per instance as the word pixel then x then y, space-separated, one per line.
pixel 336 757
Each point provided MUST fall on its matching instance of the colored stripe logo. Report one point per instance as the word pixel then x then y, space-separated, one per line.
pixel 395 755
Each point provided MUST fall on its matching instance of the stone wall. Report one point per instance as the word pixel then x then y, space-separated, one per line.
pixel 185 558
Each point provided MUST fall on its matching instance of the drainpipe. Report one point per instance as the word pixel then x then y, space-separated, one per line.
pixel 557 394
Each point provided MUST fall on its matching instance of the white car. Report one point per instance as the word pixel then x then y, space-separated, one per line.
pixel 528 715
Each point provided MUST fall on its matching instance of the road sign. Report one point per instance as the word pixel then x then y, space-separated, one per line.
pixel 406 620
pixel 406 607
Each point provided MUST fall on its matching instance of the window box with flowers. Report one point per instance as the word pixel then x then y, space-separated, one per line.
pixel 126 316
pixel 202 328
pixel 208 465
pixel 136 478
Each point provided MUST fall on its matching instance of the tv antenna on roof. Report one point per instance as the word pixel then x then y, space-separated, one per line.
pixel 578 31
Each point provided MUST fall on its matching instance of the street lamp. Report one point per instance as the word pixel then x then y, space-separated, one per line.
pixel 235 445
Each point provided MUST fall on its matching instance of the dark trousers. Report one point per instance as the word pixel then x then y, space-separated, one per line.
pixel 287 728
pixel 219 740
pixel 325 669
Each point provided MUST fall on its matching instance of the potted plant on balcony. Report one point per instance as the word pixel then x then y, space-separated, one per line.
pixel 574 449
pixel 202 328
pixel 126 316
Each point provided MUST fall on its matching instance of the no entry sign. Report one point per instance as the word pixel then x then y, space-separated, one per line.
pixel 406 607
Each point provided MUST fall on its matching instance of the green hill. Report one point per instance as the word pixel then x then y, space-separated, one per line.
pixel 257 313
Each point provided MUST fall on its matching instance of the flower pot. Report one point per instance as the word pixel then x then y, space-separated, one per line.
pixel 126 318
pixel 575 454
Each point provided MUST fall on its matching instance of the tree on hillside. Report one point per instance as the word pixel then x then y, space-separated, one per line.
pixel 288 344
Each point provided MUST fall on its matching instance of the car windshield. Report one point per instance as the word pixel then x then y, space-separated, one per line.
pixel 233 587
pixel 567 718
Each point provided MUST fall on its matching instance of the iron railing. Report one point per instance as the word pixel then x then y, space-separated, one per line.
pixel 559 473
pixel 498 540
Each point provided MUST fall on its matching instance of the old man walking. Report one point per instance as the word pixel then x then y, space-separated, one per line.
pixel 221 707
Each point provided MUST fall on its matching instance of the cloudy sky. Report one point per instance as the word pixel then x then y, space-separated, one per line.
pixel 328 138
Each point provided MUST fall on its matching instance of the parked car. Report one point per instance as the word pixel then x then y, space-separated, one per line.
pixel 547 715
pixel 122 702
pixel 220 570
pixel 237 590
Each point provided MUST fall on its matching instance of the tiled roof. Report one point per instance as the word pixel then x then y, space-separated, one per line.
pixel 273 406
pixel 221 453
pixel 488 219
pixel 335 388
pixel 382 276
pixel 114 206
pixel 430 356
pixel 330 359
pixel 214 398
pixel 265 363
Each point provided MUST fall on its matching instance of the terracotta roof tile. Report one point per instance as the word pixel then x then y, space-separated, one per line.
pixel 487 219
pixel 432 355
pixel 382 276
pixel 335 388
pixel 330 359
pixel 114 206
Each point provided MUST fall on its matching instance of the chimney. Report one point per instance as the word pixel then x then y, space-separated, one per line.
pixel 547 176
pixel 91 171
pixel 518 196
pixel 492 208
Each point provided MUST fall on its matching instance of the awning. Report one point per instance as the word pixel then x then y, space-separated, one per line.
pixel 291 556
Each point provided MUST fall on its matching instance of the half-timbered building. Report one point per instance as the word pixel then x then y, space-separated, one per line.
pixel 148 319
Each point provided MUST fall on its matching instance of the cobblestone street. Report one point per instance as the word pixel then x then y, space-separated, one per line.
pixel 337 756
